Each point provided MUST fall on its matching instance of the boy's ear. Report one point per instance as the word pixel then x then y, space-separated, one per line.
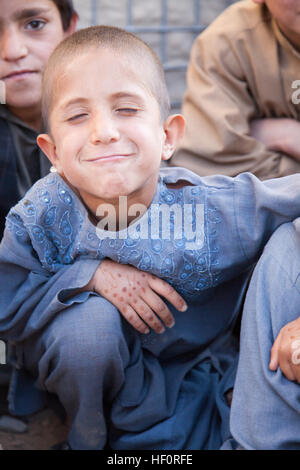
pixel 47 145
pixel 174 127
pixel 258 1
pixel 72 26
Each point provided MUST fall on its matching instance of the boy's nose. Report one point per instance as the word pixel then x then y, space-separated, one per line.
pixel 12 46
pixel 104 130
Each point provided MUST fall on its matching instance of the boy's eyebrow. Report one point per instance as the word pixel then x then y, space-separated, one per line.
pixel 28 13
pixel 83 100
pixel 126 94
pixel 74 101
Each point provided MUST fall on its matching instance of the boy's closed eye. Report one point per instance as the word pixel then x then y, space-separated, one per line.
pixel 127 111
pixel 77 117
pixel 123 111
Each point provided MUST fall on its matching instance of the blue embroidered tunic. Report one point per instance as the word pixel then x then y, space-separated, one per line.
pixel 50 248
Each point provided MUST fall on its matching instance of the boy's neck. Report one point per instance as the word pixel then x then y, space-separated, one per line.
pixel 116 223
pixel 31 117
pixel 121 217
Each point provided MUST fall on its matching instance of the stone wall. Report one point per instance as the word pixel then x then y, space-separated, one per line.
pixel 172 47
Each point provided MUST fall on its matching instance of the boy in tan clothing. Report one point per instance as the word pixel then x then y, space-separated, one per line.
pixel 242 100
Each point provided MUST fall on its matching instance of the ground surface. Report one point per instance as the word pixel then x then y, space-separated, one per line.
pixel 44 430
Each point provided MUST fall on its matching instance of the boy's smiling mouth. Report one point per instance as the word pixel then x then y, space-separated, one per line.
pixel 109 158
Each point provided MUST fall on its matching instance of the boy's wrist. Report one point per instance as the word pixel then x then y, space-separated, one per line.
pixel 97 280
pixel 90 286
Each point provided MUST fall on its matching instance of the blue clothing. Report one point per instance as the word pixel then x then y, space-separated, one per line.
pixel 162 391
pixel 265 407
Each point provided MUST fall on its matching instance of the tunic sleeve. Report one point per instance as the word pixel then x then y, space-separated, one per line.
pixel 30 296
pixel 241 215
pixel 261 207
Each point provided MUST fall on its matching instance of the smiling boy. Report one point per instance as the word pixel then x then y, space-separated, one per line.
pixel 29 31
pixel 120 155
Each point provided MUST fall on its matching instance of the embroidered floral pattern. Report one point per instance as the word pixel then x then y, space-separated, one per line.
pixel 61 232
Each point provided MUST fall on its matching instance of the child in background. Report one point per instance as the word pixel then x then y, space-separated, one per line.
pixel 242 100
pixel 29 32
pixel 79 317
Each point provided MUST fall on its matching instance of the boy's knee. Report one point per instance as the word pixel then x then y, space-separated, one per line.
pixel 89 334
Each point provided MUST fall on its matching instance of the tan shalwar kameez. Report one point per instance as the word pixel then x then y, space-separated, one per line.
pixel 241 68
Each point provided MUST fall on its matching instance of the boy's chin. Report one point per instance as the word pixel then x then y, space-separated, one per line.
pixel 22 101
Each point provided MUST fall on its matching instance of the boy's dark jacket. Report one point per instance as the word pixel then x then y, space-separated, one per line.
pixel 10 191
pixel 8 173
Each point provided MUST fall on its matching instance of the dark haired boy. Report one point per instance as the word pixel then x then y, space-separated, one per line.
pixel 29 32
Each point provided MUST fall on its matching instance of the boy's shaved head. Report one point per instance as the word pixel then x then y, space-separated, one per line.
pixel 118 41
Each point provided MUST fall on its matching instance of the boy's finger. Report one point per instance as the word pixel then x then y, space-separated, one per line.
pixel 158 306
pixel 274 358
pixel 164 289
pixel 147 315
pixel 131 316
pixel 287 371
pixel 296 372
